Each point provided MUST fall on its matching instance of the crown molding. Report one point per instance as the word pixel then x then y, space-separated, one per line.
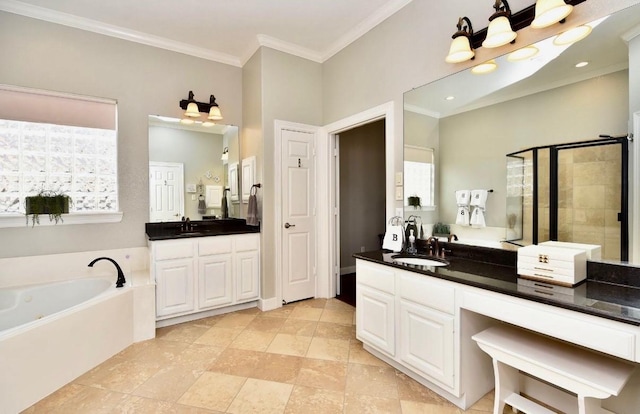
pixel 631 34
pixel 65 19
pixel 364 27
pixel 290 48
pixel 422 111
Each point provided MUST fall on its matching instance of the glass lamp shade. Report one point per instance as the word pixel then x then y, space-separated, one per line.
pixel 549 12
pixel 215 114
pixel 523 54
pixel 192 110
pixel 460 50
pixel 486 67
pixel 499 33
pixel 572 35
pixel 187 121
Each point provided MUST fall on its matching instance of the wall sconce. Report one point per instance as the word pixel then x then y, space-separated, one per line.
pixel 225 154
pixel 461 50
pixel 549 12
pixel 193 109
pixel 499 32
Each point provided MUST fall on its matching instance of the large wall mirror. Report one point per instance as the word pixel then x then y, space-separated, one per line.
pixel 473 121
pixel 190 166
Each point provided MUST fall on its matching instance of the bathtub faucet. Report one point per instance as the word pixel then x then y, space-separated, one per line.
pixel 120 282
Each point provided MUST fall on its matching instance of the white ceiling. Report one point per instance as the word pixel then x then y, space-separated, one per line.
pixel 229 31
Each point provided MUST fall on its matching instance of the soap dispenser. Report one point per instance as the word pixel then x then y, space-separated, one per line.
pixel 412 243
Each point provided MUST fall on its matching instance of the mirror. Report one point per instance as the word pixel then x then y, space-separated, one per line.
pixel 188 171
pixel 474 121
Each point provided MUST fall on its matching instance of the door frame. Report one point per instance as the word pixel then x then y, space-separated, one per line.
pixel 279 126
pixel 178 165
pixel 328 189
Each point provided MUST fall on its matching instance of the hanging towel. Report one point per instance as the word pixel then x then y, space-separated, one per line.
pixel 394 235
pixel 252 210
pixel 462 200
pixel 202 206
pixel 477 218
pixel 479 198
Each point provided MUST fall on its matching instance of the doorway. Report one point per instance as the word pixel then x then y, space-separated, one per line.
pixel 361 182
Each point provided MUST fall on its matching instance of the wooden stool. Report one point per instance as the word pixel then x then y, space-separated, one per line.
pixel 591 376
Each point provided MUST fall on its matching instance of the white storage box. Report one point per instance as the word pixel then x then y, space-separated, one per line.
pixel 555 265
pixel 593 250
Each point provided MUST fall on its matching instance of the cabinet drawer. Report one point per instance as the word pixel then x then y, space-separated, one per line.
pixel 428 292
pixel 168 250
pixel 215 245
pixel 375 276
pixel 247 242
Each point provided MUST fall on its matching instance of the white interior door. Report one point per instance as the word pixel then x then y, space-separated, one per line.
pixel 298 215
pixel 166 191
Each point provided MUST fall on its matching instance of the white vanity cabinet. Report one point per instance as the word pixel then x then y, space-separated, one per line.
pixel 204 273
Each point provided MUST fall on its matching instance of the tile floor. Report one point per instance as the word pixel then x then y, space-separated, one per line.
pixel 301 358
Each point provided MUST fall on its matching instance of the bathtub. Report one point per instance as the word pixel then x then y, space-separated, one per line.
pixel 54 332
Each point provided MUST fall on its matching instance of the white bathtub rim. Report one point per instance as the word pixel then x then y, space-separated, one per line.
pixel 105 295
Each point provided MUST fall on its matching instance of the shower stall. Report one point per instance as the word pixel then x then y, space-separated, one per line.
pixel 576 192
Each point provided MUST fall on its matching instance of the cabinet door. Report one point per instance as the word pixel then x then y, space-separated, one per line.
pixel 375 318
pixel 215 286
pixel 174 287
pixel 426 342
pixel 247 275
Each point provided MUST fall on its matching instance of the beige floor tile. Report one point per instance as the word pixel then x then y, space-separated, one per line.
pixel 409 389
pixel 372 380
pixel 258 396
pixel 329 349
pixel 253 340
pixel 239 362
pixel 185 409
pixel 307 400
pixel 235 320
pixel 289 344
pixel 298 327
pixel 80 399
pixel 198 357
pixel 329 375
pixel 266 324
pixel 213 390
pixel 168 384
pixel 209 321
pixel 307 314
pixel 278 367
pixel 184 332
pixel 140 405
pixel 344 317
pixel 312 303
pixel 219 336
pixel 161 353
pixel 415 407
pixel 337 304
pixel 358 355
pixel 282 312
pixel 358 404
pixel 118 374
pixel 335 331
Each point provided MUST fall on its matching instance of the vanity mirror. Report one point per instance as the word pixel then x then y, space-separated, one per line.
pixel 473 121
pixel 189 168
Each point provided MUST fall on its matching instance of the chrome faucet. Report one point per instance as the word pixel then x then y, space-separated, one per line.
pixel 121 281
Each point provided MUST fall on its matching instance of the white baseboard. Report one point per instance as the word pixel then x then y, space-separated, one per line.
pixel 268 304
pixel 347 270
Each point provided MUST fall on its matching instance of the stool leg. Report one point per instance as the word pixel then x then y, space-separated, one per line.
pixel 588 405
pixel 507 383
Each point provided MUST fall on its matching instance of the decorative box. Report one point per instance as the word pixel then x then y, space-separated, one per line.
pixel 593 250
pixel 551 264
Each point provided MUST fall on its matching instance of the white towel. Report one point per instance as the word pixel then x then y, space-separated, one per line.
pixel 479 198
pixel 462 200
pixel 393 238
pixel 477 218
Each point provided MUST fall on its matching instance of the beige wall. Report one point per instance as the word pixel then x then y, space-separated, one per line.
pixel 144 80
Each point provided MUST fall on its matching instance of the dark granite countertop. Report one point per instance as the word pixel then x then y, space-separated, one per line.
pixel 594 296
pixel 198 228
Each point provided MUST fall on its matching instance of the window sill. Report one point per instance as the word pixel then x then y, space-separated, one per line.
pixel 423 208
pixel 19 220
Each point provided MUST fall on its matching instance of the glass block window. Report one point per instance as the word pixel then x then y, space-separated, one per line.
pixel 78 159
pixel 419 175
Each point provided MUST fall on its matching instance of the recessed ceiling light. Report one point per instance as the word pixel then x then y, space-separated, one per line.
pixel 450 98
pixel 581 64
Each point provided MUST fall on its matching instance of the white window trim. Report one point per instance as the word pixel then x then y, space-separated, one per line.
pixel 20 220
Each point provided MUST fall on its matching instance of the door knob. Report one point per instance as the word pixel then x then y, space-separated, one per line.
pixel 287 225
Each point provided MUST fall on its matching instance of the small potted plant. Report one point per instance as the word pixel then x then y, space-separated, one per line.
pixel 52 203
pixel 414 201
pixel 441 230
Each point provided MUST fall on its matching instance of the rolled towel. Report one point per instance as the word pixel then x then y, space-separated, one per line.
pixel 479 198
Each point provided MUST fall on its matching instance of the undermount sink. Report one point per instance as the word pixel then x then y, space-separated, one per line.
pixel 420 261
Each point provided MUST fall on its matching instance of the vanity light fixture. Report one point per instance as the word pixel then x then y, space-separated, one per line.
pixel 523 54
pixel 549 12
pixel 225 154
pixel 461 50
pixel 484 68
pixel 499 32
pixel 572 35
pixel 193 109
